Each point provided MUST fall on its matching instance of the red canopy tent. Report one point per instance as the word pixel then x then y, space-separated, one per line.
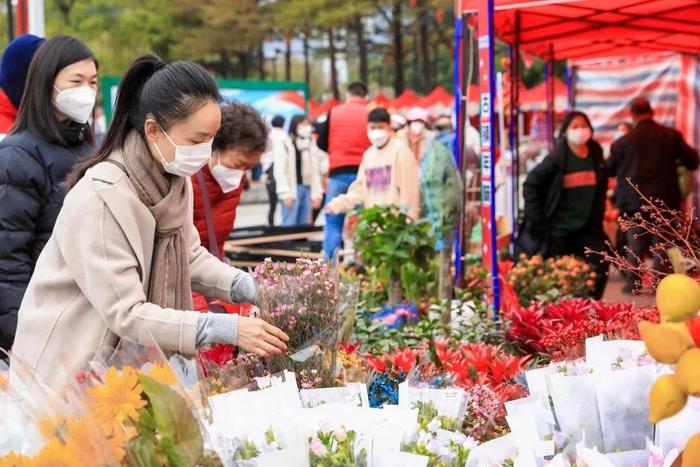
pixel 576 29
pixel 438 96
pixel 560 30
pixel 325 107
pixel 407 99
pixel 535 99
pixel 380 100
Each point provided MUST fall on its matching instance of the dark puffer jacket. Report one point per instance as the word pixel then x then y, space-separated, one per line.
pixel 32 188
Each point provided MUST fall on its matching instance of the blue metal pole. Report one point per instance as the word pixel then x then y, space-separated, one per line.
pixel 459 135
pixel 492 118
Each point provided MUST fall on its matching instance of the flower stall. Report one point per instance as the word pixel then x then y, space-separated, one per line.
pixel 381 371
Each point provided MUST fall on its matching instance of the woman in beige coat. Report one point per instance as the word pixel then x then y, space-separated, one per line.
pixel 124 256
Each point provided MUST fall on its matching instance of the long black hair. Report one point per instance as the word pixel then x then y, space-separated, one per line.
pixel 567 121
pixel 152 89
pixel 36 111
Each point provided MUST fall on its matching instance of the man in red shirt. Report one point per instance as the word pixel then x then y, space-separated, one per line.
pixel 13 75
pixel 237 148
pixel 344 137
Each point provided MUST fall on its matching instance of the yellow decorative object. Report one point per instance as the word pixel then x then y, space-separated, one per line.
pixel 55 454
pixel 678 298
pixel 117 400
pixel 691 453
pixel 666 399
pixel 666 342
pixel 162 374
pixel 688 372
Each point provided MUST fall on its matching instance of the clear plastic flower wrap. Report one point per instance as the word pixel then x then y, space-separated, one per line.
pixel 302 299
pixel 136 395
pixel 623 414
pixel 42 428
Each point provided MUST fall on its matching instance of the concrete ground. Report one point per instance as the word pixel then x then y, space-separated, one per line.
pixel 614 294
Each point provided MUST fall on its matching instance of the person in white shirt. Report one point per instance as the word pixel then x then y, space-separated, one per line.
pixel 297 175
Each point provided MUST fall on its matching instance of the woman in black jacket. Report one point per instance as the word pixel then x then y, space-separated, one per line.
pixel 565 199
pixel 50 135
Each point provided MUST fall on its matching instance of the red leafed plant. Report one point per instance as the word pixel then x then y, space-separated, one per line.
pixel 559 330
pixel 469 364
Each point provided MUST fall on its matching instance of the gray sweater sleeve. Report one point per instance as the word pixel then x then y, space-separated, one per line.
pixel 217 328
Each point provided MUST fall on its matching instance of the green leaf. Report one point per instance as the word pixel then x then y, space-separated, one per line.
pixel 175 422
pixel 141 451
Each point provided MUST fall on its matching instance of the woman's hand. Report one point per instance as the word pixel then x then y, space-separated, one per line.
pixel 258 337
pixel 288 202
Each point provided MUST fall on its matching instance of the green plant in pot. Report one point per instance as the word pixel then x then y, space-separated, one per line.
pixel 387 239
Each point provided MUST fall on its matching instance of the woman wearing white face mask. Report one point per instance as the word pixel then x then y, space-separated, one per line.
pixel 237 148
pixel 297 174
pixel 49 136
pixel 565 199
pixel 416 133
pixel 125 256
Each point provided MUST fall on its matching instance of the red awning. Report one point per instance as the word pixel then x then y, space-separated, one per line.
pixel 438 96
pixel 405 100
pixel 581 29
pixel 535 98
pixel 380 100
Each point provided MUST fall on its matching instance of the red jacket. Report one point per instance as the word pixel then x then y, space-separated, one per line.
pixel 347 137
pixel 8 112
pixel 223 208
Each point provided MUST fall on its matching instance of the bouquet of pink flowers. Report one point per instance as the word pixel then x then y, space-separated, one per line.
pixel 302 299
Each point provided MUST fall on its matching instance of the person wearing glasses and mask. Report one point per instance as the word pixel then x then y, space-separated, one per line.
pixel 49 136
pixel 125 255
pixel 237 148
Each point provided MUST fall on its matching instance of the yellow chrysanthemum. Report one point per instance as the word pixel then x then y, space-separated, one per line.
pixel 162 374
pixel 88 444
pixel 54 454
pixel 118 400
pixel 13 460
pixel 51 427
pixel 117 442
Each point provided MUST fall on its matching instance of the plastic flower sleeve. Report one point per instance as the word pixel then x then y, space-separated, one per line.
pixel 576 408
pixel 161 414
pixel 302 299
pixel 623 419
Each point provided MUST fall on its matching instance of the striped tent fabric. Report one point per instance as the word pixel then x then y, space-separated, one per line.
pixel 671 82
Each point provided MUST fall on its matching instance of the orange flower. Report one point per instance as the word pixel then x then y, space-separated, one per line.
pixel 118 400
pixel 13 460
pixel 54 454
pixel 50 427
pixel 89 443
pixel 162 374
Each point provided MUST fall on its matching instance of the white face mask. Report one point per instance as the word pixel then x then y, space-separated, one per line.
pixel 416 128
pixel 188 159
pixel 76 103
pixel 305 131
pixel 378 137
pixel 228 179
pixel 578 136
pixel 618 135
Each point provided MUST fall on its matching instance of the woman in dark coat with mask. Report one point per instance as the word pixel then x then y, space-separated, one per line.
pixel 565 199
pixel 49 136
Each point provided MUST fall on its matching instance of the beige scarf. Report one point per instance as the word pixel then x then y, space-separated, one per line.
pixel 166 197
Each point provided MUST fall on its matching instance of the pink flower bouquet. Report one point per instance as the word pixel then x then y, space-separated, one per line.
pixel 301 298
